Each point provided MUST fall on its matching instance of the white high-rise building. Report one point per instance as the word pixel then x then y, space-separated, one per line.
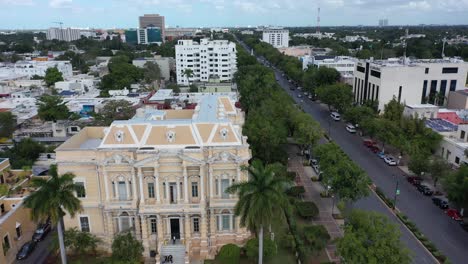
pixel 209 60
pixel 278 38
pixel 64 34
pixel 410 82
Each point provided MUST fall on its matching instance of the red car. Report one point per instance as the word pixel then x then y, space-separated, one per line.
pixel 414 180
pixel 374 149
pixel 369 143
pixel 454 214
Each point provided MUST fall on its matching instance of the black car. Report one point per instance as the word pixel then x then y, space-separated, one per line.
pixel 26 250
pixel 41 231
pixel 443 204
pixel 424 189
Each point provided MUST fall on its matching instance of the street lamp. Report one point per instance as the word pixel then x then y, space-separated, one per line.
pixel 397 192
pixel 333 203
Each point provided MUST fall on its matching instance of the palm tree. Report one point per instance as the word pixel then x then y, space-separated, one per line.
pixel 188 73
pixel 259 198
pixel 54 198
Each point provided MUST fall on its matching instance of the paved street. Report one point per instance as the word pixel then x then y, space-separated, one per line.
pixel 40 253
pixel 446 234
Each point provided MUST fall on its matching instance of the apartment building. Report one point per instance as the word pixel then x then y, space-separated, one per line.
pixel 63 34
pixel 162 175
pixel 166 64
pixel 278 38
pixel 343 64
pixel 30 68
pixel 209 60
pixel 409 81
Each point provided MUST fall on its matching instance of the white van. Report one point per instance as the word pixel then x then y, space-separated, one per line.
pixel 335 116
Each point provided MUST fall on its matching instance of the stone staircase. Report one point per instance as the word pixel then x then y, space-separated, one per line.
pixel 177 252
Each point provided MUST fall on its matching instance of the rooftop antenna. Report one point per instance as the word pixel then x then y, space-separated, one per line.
pixel 318 21
pixel 443 47
pixel 61 29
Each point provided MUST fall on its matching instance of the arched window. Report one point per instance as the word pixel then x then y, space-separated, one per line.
pixel 125 222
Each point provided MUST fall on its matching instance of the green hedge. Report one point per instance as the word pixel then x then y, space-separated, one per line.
pixel 307 210
pixel 229 254
pixel 296 191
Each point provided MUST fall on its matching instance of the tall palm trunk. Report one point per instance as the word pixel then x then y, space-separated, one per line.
pixel 260 245
pixel 63 253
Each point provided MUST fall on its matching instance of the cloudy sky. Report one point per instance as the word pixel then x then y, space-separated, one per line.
pixel 24 14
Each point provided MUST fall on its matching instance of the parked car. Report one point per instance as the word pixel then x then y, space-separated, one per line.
pixel 414 180
pixel 424 189
pixel 454 214
pixel 381 155
pixel 306 93
pixel 351 128
pixel 390 161
pixel 299 88
pixel 26 250
pixel 310 97
pixel 335 116
pixel 41 232
pixel 299 95
pixel 441 203
pixel 313 162
pixel 369 143
pixel 374 149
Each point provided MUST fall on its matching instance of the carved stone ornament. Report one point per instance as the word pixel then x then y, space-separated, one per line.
pixel 119 136
pixel 170 135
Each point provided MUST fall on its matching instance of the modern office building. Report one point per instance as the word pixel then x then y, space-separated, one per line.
pixel 162 175
pixel 149 35
pixel 208 60
pixel 278 38
pixel 153 20
pixel 64 34
pixel 31 68
pixel 409 81
pixel 131 36
pixel 172 33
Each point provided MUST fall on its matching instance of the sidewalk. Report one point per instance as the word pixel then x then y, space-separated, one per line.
pixel 312 193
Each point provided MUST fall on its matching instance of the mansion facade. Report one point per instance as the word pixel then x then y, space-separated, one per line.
pixel 162 175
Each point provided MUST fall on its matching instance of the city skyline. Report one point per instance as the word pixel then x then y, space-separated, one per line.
pixel 40 14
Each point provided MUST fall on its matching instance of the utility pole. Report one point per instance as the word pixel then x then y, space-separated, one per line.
pixel 443 47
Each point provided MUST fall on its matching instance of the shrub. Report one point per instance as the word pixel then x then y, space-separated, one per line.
pixel 307 209
pixel 296 191
pixel 126 248
pixel 229 254
pixel 324 194
pixel 316 237
pixel 287 241
pixel 291 175
pixel 314 178
pixel 269 248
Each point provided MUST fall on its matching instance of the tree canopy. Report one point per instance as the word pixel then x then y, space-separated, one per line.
pixel 52 108
pixel 337 96
pixel 7 124
pixel 456 186
pixel 127 249
pixel 52 76
pixel 370 238
pixel 114 110
pixel 23 153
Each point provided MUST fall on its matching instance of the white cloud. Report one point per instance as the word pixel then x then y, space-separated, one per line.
pixel 60 3
pixel 17 2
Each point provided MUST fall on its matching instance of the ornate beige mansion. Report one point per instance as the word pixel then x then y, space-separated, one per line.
pixel 162 175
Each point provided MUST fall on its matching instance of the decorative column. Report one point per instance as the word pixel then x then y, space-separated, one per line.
pixel 202 182
pixel 238 173
pixel 156 179
pixel 144 234
pixel 204 234
pixel 127 186
pixel 142 193
pixel 219 188
pixel 160 228
pixel 211 180
pixel 134 184
pixel 187 232
pixel 116 190
pixel 179 191
pixel 167 192
pixel 106 182
pixel 185 184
